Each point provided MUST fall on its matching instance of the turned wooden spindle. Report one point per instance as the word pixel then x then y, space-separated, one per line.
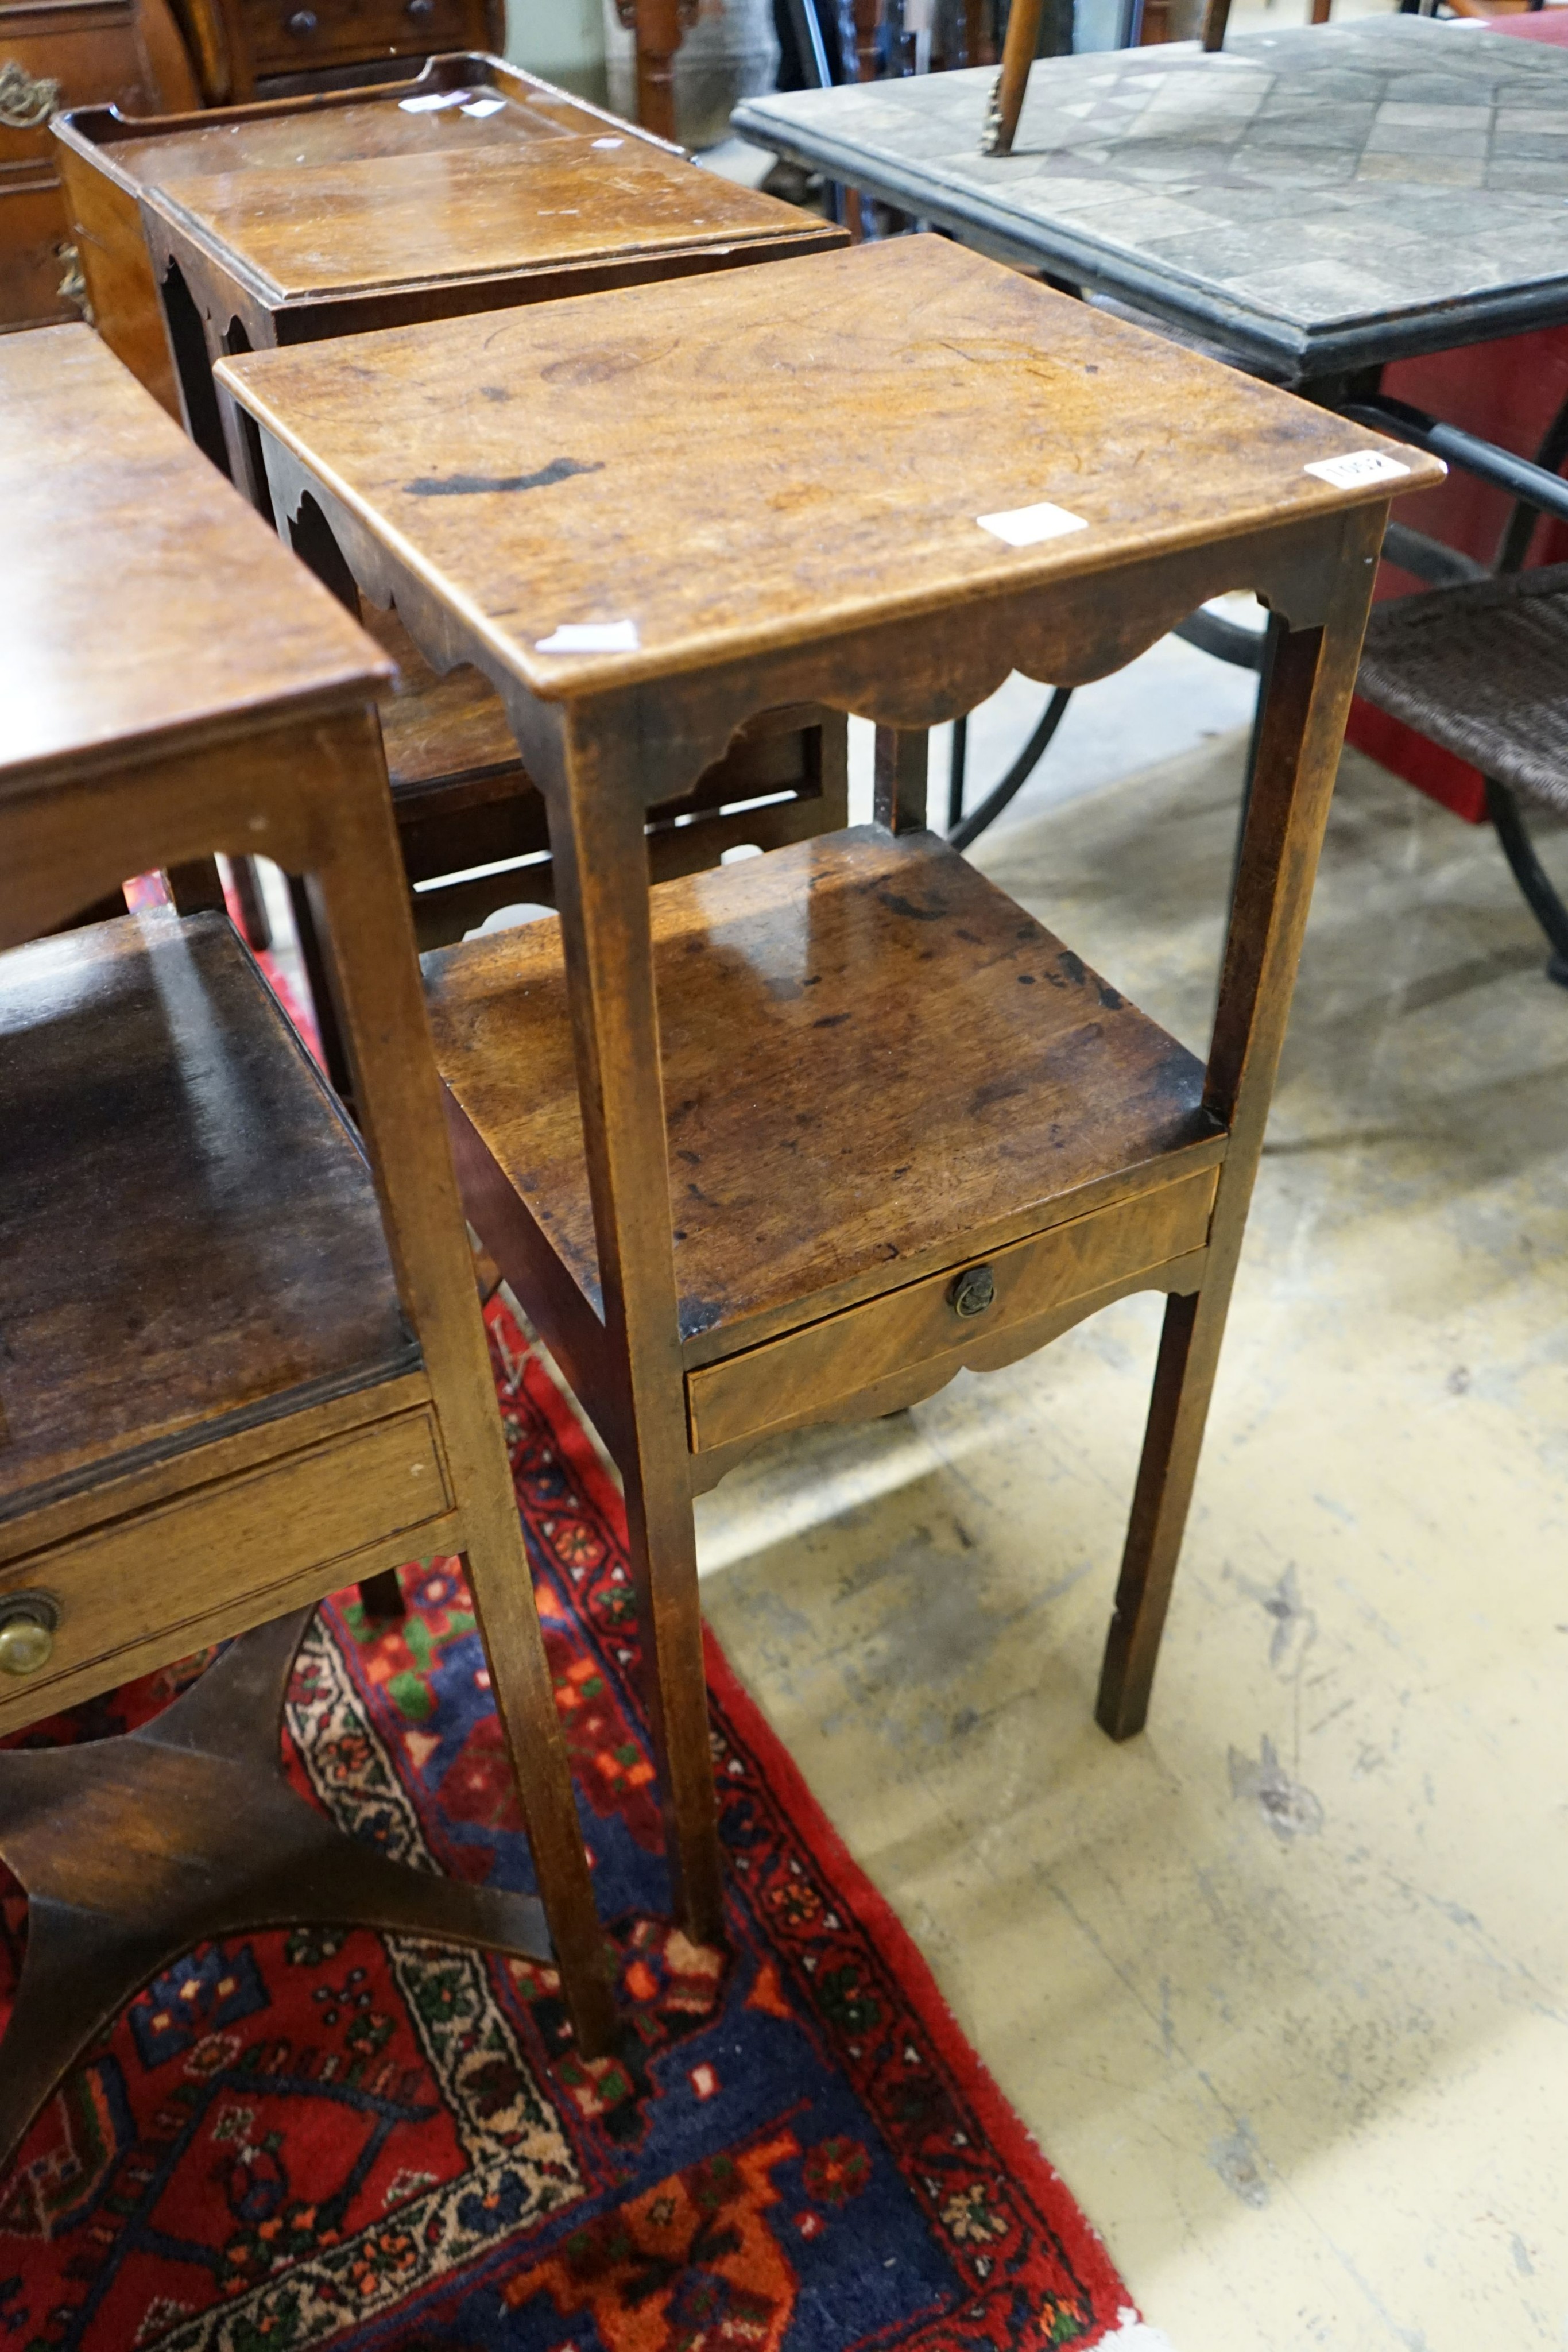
pixel 1012 82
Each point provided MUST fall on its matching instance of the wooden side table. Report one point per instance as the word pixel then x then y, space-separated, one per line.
pixel 474 188
pixel 244 1360
pixel 470 186
pixel 797 1139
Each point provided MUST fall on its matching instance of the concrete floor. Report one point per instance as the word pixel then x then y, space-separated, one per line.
pixel 1280 1986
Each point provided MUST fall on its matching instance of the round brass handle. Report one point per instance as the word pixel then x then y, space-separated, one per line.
pixel 28 1621
pixel 973 1291
pixel 302 23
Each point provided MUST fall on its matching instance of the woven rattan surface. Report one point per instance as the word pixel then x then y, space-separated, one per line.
pixel 1482 670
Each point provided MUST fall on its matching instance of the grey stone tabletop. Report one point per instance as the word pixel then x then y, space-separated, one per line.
pixel 1316 201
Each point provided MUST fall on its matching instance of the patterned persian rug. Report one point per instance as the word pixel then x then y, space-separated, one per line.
pixel 316 2139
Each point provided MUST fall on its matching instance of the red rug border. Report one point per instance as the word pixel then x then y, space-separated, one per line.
pixel 1009 2136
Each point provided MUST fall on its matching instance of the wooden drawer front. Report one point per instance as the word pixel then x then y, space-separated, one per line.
pixel 795 1379
pixel 291 36
pixel 186 1573
pixel 32 230
pixel 91 52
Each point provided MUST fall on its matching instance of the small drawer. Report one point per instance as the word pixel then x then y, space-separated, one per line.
pixel 289 38
pixel 955 1313
pixel 33 228
pixel 58 58
pixel 128 1598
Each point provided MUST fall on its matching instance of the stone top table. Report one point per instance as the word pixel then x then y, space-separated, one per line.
pixel 1317 202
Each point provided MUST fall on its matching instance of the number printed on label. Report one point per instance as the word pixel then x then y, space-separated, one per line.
pixel 1352 473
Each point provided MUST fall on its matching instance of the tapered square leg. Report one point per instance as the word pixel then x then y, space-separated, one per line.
pixel 1301 728
pixel 606 933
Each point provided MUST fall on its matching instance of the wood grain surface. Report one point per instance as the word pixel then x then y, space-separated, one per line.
pixel 308 135
pixel 870 1057
pixel 189 1233
pixel 859 412
pixel 141 601
pixel 318 127
pixel 464 210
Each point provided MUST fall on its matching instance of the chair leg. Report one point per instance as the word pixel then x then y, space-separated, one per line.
pixel 1530 876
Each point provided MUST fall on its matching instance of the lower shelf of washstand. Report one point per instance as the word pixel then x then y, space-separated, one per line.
pixel 878 1073
pixel 212 1408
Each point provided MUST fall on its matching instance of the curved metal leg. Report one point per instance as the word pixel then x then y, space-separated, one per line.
pixel 1530 876
pixel 956 773
pixel 1017 775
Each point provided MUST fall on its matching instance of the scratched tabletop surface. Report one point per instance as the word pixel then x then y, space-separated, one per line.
pixel 714 467
pixel 1318 200
pixel 370 194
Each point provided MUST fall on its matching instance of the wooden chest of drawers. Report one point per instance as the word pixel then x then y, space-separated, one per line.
pixel 279 49
pixel 55 54
pixel 285 37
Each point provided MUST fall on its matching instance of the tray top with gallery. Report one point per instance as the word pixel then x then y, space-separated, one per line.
pixel 473 171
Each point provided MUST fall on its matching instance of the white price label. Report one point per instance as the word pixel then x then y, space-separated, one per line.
pixel 591 637
pixel 1027 526
pixel 433 100
pixel 1355 472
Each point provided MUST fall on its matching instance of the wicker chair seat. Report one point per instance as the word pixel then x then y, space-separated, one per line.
pixel 1482 670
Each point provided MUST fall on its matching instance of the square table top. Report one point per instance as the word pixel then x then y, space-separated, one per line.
pixel 716 467
pixel 1321 199
pixel 473 171
pixel 143 603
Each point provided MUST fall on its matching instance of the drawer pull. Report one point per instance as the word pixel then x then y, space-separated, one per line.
pixel 25 99
pixel 974 1290
pixel 302 23
pixel 28 1621
pixel 420 11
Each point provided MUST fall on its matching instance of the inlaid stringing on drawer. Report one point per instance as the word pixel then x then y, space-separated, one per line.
pixel 780 1383
pixel 166 1570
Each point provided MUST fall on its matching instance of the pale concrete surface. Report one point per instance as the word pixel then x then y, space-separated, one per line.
pixel 1280 1986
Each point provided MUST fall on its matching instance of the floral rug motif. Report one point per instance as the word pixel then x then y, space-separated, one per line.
pixel 297 2140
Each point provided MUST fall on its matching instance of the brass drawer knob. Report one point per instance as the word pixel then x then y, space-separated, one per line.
pixel 302 23
pixel 973 1291
pixel 420 11
pixel 28 1621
